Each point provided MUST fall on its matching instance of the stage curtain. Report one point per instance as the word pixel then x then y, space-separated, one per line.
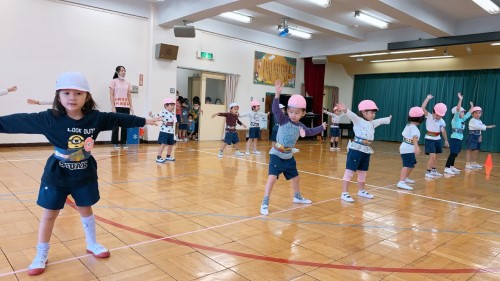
pixel 314 79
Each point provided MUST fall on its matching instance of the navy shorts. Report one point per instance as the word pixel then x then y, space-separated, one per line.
pixel 473 142
pixel 357 160
pixel 274 133
pixel 54 197
pixel 409 160
pixel 254 133
pixel 455 145
pixel 231 137
pixel 183 126
pixel 433 146
pixel 286 166
pixel 166 138
pixel 334 132
pixel 178 116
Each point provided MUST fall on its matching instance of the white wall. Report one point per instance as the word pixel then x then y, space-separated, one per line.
pixel 335 75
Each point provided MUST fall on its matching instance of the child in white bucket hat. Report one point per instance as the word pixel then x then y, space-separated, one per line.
pixel 474 138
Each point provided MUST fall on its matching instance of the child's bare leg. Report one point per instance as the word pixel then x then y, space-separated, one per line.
pixel 169 149
pixel 255 144
pixel 160 150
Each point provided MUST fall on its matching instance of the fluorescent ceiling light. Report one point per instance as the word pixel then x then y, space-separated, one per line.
pixel 495 44
pixel 371 20
pixel 299 33
pixel 237 17
pixel 411 51
pixel 434 57
pixel 369 55
pixel 403 59
pixel 322 3
pixel 488 6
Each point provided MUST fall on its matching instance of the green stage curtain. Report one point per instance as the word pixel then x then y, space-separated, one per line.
pixel 396 93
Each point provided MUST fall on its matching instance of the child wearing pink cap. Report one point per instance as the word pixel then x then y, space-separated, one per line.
pixel 358 156
pixel 409 147
pixel 3 92
pixel 334 128
pixel 457 129
pixel 254 131
pixel 231 135
pixel 167 130
pixel 474 138
pixel 281 159
pixel 435 126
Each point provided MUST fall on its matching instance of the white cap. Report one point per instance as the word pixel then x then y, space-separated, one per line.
pixel 231 105
pixel 454 110
pixel 72 80
pixel 281 106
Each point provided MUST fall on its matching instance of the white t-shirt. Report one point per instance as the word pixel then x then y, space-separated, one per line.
pixel 476 124
pixel 433 125
pixel 409 132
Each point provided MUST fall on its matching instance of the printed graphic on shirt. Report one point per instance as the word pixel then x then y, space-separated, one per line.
pixel 121 102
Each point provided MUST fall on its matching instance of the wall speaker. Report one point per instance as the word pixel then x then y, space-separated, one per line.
pixel 165 51
pixel 184 31
pixel 320 60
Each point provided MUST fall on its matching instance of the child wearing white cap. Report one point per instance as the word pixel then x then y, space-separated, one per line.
pixel 254 131
pixel 457 135
pixel 231 135
pixel 281 159
pixel 474 138
pixel 334 128
pixel 71 126
pixel 3 92
pixel 435 126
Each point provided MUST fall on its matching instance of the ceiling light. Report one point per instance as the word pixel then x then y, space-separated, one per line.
pixel 403 59
pixel 299 33
pixel 322 3
pixel 237 17
pixel 369 55
pixel 488 6
pixel 411 51
pixel 495 44
pixel 371 20
pixel 434 57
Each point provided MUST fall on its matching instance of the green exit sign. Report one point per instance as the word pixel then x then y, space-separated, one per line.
pixel 205 55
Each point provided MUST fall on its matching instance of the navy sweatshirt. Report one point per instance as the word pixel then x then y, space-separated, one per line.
pixel 69 134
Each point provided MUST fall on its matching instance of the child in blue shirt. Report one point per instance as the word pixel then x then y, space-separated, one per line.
pixel 457 135
pixel 281 156
pixel 71 126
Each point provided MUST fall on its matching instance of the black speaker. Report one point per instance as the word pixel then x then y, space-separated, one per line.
pixel 184 31
pixel 165 51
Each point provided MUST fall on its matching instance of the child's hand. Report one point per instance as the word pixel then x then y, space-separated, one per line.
pixel 324 125
pixel 471 104
pixel 491 126
pixel 429 96
pixel 32 101
pixel 390 117
pixel 460 96
pixel 150 114
pixel 446 144
pixel 12 89
pixel 278 87
pixel 213 115
pixel 153 121
pixel 341 107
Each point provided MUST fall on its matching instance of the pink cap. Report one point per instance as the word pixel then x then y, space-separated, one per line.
pixel 416 111
pixel 367 105
pixel 168 100
pixel 297 101
pixel 440 109
pixel 254 103
pixel 476 108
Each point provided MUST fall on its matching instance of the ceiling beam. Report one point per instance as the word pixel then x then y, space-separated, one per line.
pixel 173 12
pixel 416 14
pixel 310 21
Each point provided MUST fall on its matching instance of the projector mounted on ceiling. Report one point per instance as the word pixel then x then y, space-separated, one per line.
pixel 283 28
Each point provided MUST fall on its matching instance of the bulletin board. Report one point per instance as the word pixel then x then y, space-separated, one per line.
pixel 270 67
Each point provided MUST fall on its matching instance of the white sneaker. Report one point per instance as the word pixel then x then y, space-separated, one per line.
pixel 428 175
pixel 364 193
pixel 346 197
pixel 160 160
pixel 477 166
pixel 247 153
pixel 403 185
pixel 301 200
pixel 264 210
pixel 170 158
pixel 407 180
pixel 435 173
pixel 337 148
pixel 448 171
pixel 220 154
pixel 257 152
pixel 469 167
pixel 332 148
pixel 295 150
pixel 186 139
pixel 455 170
pixel 238 153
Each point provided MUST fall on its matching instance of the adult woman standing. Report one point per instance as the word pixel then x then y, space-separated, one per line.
pixel 121 102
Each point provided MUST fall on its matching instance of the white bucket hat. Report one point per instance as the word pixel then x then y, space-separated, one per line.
pixel 72 80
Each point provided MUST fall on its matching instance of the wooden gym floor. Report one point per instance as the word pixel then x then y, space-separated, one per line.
pixel 198 219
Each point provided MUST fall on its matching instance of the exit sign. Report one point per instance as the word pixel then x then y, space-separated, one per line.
pixel 205 55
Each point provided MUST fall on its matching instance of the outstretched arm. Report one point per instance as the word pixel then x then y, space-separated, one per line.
pixel 459 105
pixel 426 101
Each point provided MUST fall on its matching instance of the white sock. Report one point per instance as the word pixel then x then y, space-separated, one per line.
pixel 42 251
pixel 89 229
